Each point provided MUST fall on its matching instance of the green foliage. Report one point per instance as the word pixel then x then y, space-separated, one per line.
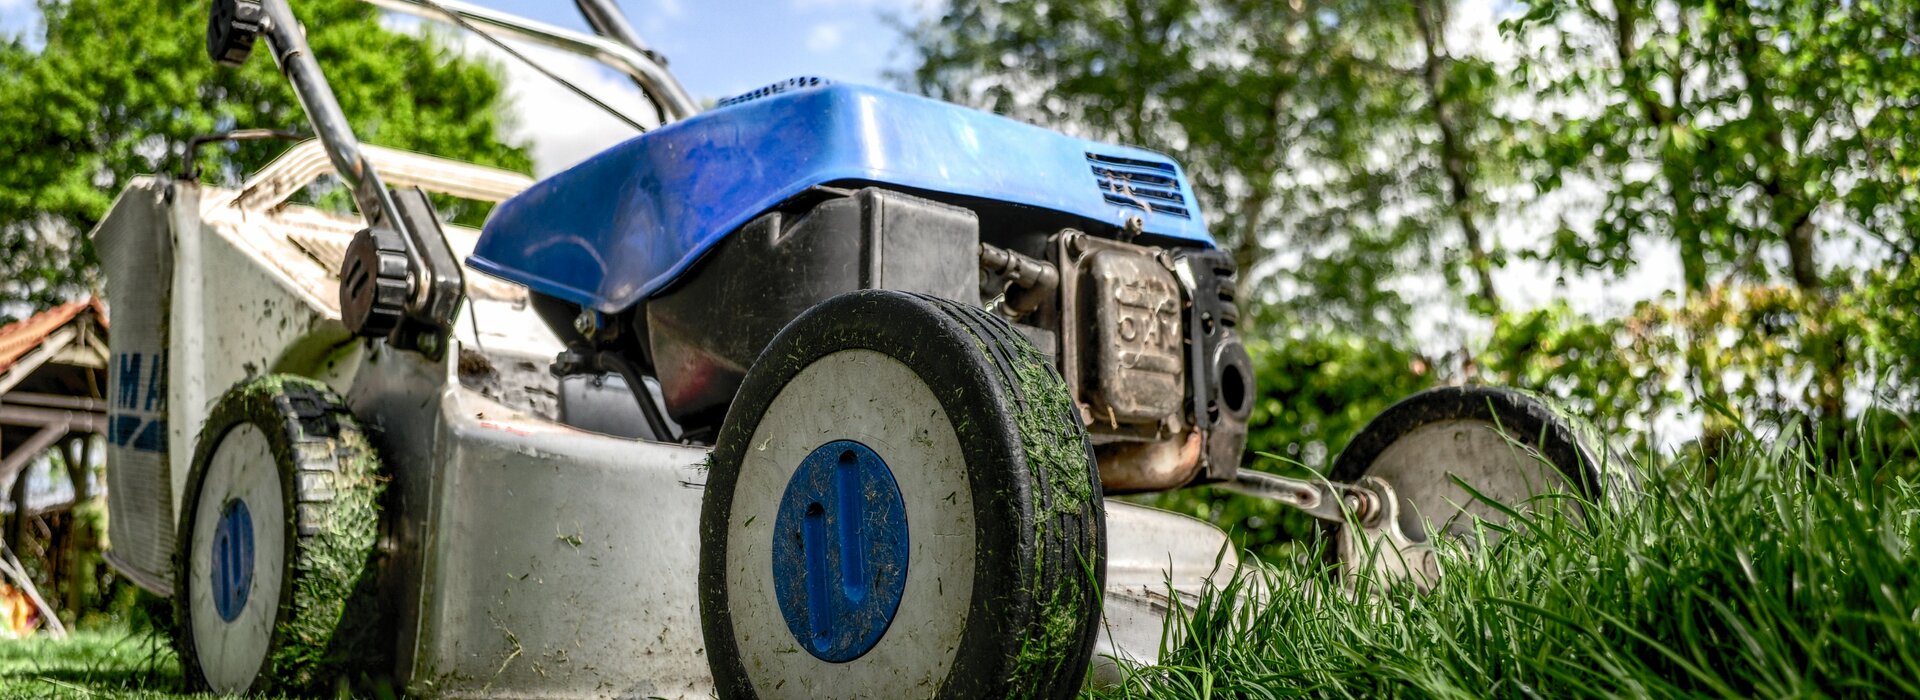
pixel 119 86
pixel 1767 349
pixel 1775 580
pixel 1751 136
pixel 1889 299
pixel 1767 126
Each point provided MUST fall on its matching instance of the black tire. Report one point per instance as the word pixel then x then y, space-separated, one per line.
pixel 326 622
pixel 1570 445
pixel 1038 565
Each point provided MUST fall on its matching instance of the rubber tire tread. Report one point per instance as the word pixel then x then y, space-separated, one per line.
pixel 330 621
pixel 1573 447
pixel 1031 628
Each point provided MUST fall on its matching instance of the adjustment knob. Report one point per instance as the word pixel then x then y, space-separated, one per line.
pixel 231 28
pixel 373 283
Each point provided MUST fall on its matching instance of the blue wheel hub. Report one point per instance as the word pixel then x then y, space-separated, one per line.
pixel 840 551
pixel 232 570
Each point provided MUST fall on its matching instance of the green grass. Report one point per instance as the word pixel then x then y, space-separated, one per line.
pixel 96 663
pixel 1750 576
pixel 1747 576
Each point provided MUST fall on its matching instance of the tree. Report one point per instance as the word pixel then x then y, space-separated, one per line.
pixel 120 86
pixel 1747 134
pixel 1302 125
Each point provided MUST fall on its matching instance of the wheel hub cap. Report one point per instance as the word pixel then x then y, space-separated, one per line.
pixel 840 551
pixel 232 570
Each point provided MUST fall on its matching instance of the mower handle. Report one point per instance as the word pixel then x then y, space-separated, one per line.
pixel 648 72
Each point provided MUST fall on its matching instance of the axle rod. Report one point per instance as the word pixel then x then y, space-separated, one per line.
pixel 1338 503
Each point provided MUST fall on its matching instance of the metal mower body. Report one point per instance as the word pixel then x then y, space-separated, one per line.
pixel 526 557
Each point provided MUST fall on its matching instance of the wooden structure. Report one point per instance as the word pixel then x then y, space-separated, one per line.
pixel 53 384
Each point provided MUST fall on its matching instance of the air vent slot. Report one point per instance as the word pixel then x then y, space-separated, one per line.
pixel 784 86
pixel 1148 185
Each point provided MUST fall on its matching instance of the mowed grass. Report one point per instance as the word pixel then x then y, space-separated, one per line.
pixel 95 663
pixel 1752 575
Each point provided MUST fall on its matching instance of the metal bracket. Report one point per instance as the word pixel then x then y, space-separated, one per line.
pixel 1370 542
pixel 1377 549
pixel 1334 503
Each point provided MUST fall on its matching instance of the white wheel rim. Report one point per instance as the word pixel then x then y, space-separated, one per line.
pixel 1422 463
pixel 873 399
pixel 242 468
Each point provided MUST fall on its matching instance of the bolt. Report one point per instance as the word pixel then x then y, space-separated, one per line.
pixel 1359 505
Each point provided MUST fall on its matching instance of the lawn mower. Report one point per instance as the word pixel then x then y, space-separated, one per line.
pixel 819 392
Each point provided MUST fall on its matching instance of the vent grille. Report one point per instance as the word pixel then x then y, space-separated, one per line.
pixel 788 85
pixel 1148 185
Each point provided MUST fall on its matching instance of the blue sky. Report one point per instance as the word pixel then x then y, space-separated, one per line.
pixel 724 47
pixel 717 47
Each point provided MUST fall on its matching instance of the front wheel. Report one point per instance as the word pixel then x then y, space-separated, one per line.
pixel 902 504
pixel 276 575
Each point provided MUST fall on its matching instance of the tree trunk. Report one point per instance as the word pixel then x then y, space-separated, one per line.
pixel 1247 253
pixel 1792 214
pixel 1453 155
pixel 1680 173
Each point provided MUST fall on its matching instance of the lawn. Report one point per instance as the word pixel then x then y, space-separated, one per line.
pixel 94 663
pixel 1752 575
pixel 1748 576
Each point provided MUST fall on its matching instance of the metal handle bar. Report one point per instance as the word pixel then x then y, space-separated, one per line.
pixel 300 165
pixel 289 45
pixel 652 77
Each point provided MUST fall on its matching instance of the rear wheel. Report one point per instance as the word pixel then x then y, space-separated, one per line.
pixel 902 503
pixel 1512 447
pixel 275 576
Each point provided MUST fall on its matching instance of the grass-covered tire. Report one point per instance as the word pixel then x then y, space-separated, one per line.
pixel 997 531
pixel 1511 446
pixel 276 574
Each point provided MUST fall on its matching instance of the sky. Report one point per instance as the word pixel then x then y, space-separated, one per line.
pixel 725 47
pixel 717 48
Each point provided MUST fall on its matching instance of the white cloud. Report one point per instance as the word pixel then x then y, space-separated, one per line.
pixel 670 8
pixel 824 37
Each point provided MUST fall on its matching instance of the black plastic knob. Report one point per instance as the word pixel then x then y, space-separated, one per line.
pixel 373 283
pixel 231 28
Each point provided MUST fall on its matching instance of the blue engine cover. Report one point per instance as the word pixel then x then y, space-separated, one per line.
pixel 625 223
